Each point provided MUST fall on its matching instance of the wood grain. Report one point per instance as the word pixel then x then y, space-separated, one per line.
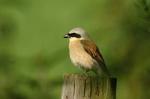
pixel 88 87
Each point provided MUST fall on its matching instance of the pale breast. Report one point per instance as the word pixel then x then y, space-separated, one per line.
pixel 79 56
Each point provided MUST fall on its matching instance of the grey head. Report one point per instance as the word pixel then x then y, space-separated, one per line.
pixel 77 33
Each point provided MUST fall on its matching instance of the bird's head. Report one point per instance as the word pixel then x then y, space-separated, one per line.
pixel 76 34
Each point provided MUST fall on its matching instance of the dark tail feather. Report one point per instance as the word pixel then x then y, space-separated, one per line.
pixel 103 71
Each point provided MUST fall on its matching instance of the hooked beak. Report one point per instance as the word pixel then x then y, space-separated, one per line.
pixel 66 35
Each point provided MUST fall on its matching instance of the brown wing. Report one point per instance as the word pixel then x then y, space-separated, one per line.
pixel 93 50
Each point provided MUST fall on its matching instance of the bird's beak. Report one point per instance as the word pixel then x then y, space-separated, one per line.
pixel 66 36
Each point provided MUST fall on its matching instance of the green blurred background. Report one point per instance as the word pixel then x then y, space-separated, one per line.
pixel 34 55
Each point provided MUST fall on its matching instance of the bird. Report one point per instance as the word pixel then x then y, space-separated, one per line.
pixel 84 53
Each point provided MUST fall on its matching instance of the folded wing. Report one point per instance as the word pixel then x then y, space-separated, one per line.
pixel 94 52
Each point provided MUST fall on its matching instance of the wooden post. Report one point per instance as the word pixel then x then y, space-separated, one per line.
pixel 88 87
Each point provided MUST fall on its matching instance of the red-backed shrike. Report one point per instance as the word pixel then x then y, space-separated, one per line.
pixel 84 53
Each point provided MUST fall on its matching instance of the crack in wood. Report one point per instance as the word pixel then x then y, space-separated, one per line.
pixel 90 86
pixel 66 97
pixel 74 88
pixel 97 92
pixel 84 88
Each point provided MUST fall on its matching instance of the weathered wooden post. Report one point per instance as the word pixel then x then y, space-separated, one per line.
pixel 88 87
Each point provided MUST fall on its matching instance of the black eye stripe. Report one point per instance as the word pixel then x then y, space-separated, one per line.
pixel 74 35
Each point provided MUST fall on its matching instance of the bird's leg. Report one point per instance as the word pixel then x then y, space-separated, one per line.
pixel 88 72
pixel 85 72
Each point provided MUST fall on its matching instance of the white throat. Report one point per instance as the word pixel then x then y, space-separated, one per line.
pixel 75 39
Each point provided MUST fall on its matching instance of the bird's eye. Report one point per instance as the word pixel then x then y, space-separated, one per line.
pixel 75 35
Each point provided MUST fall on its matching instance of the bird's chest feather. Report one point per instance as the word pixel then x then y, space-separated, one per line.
pixel 79 56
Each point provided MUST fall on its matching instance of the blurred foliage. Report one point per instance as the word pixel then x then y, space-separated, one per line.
pixel 34 55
